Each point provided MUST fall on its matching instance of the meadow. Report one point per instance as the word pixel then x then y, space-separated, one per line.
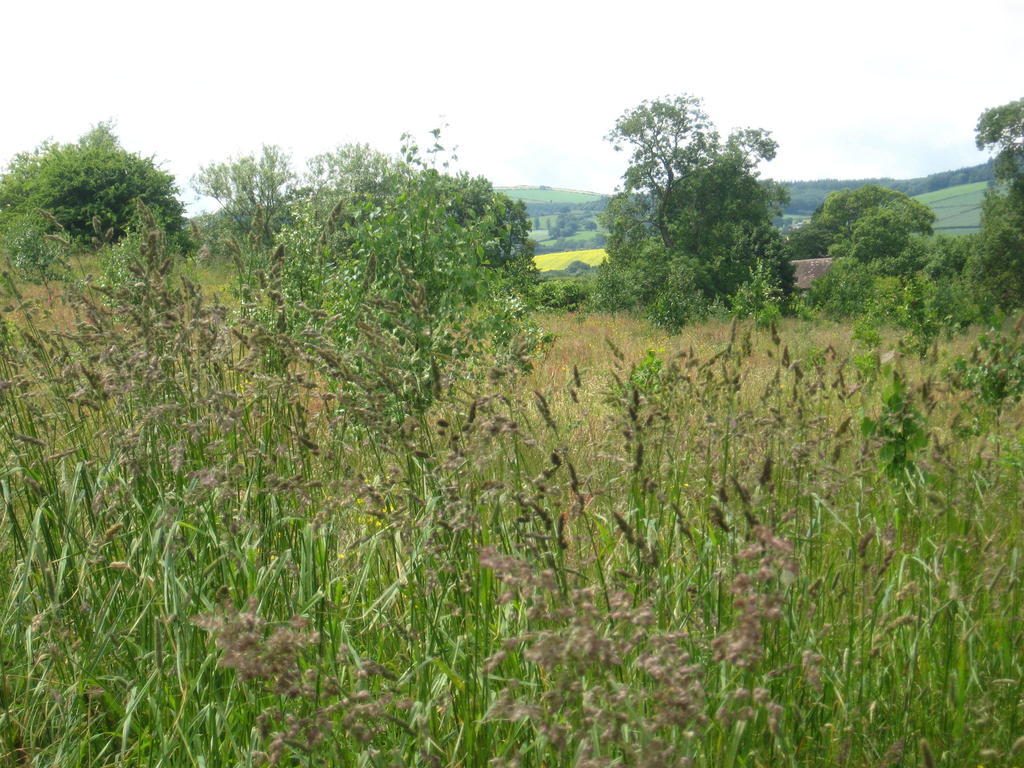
pixel 727 547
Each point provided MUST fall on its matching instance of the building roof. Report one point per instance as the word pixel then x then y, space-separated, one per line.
pixel 809 270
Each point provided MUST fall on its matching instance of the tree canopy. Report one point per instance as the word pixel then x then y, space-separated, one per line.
pixel 1002 128
pixel 92 183
pixel 692 203
pixel 998 264
pixel 871 223
pixel 253 191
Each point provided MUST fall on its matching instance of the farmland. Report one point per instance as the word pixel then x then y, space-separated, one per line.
pixel 556 261
pixel 550 195
pixel 957 209
pixel 562 220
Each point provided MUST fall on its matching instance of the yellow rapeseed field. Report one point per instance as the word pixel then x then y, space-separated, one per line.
pixel 549 261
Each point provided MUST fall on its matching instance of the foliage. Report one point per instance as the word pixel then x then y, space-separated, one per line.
pixel 430 274
pixel 1002 128
pixel 354 173
pixel 899 428
pixel 869 223
pixel 692 216
pixel 647 375
pixel 947 256
pixel 90 185
pixel 36 252
pixel 563 295
pixel 665 286
pixel 924 302
pixel 997 265
pixel 995 369
pixel 760 297
pixel 253 192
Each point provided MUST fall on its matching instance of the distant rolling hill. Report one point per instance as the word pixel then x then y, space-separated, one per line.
pixel 562 219
pixel 549 195
pixel 955 196
pixel 957 209
pixel 568 220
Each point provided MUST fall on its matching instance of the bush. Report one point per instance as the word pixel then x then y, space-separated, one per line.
pixel 92 184
pixel 846 290
pixel 564 295
pixel 995 369
pixel 760 297
pixel 35 253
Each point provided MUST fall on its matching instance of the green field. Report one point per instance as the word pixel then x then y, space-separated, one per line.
pixel 548 195
pixel 553 261
pixel 957 209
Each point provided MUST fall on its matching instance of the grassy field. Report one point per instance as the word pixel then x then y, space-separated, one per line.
pixel 548 195
pixel 553 261
pixel 957 209
pixel 723 548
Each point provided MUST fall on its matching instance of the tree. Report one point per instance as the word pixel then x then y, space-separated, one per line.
pixel 253 192
pixel 1002 128
pixel 699 198
pixel 353 173
pixel 997 265
pixel 417 275
pixel 870 223
pixel 92 184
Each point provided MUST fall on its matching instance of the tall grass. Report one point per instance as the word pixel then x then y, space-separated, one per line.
pixel 214 555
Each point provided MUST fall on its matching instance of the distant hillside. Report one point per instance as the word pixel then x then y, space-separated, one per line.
pixel 806 196
pixel 957 209
pixel 549 195
pixel 569 219
pixel 562 219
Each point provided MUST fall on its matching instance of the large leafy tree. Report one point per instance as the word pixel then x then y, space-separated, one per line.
pixel 91 184
pixel 1002 128
pixel 254 192
pixel 870 223
pixel 998 264
pixel 353 174
pixel 691 203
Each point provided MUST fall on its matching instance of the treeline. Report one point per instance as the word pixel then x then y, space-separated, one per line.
pixel 806 196
pixel 592 207
pixel 390 256
pixel 691 236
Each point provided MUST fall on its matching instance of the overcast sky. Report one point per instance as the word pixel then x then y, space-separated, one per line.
pixel 527 89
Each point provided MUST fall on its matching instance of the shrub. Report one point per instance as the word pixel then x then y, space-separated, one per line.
pixel 995 369
pixel 564 295
pixel 35 253
pixel 93 181
pixel 760 297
